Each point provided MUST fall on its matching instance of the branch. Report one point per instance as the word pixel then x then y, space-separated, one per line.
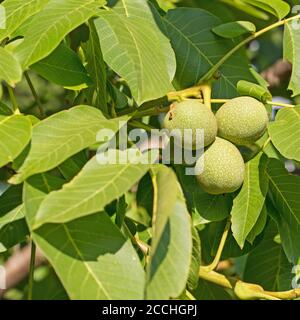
pixel 244 290
pixel 214 68
pixel 217 258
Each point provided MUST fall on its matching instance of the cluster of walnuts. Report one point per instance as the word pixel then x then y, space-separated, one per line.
pixel 240 121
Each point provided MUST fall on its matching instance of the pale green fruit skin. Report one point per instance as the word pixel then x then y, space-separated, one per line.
pixel 191 114
pixel 223 170
pixel 242 120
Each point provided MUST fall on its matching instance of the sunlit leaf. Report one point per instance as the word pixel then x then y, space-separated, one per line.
pixel 56 138
pixel 285 131
pixel 134 47
pixel 47 29
pixel 15 133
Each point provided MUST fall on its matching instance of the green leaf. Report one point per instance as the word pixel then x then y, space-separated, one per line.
pixel 98 184
pixel 291 52
pixel 234 29
pixel 10 69
pixel 246 88
pixel 63 67
pixel 46 285
pixel 103 264
pixel 171 245
pixel 277 8
pixel 285 131
pixel 193 278
pixel 15 133
pixel 259 79
pixel 259 225
pixel 285 194
pixel 210 241
pixel 10 199
pixel 48 28
pixel 197 50
pixel 267 264
pixel 13 228
pixel 134 47
pixel 73 165
pixel 97 69
pixel 16 12
pixel 210 291
pixel 248 204
pixel 35 190
pixel 5 110
pixel 62 135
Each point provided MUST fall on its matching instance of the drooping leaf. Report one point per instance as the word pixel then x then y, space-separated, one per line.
pixel 197 49
pixel 259 225
pixel 134 47
pixel 16 12
pixel 62 135
pixel 15 133
pixel 234 29
pixel 171 245
pixel 291 52
pixel 248 204
pixel 285 195
pixel 98 184
pixel 277 8
pixel 97 69
pixel 10 69
pixel 47 28
pixel 63 67
pixel 246 88
pixel 284 132
pixel 101 262
pixel 267 264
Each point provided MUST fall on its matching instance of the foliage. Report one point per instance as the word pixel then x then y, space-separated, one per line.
pixel 71 68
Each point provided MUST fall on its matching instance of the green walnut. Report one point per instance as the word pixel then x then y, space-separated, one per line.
pixel 222 167
pixel 242 120
pixel 191 114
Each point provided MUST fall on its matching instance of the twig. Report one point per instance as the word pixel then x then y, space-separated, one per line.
pixel 217 258
pixel 13 100
pixel 244 290
pixel 33 91
pixel 31 270
pixel 214 68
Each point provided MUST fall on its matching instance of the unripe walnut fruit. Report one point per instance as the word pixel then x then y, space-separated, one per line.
pixel 223 168
pixel 242 120
pixel 191 114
